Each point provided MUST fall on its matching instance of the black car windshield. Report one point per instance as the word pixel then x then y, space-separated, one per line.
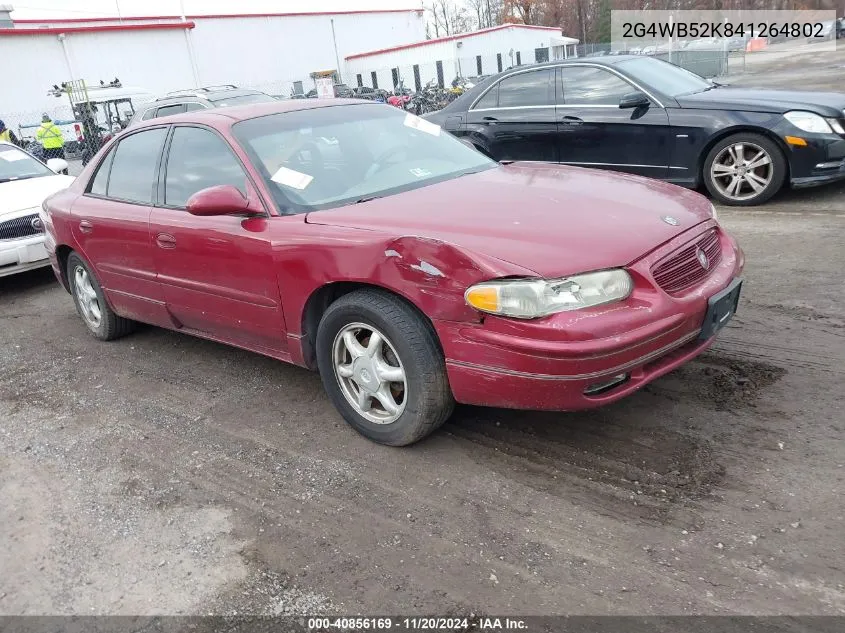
pixel 331 156
pixel 16 164
pixel 242 100
pixel 664 77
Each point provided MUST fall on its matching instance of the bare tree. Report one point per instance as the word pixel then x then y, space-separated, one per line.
pixel 449 18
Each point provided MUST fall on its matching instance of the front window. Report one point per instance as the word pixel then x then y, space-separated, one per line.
pixel 331 156
pixel 16 164
pixel 664 77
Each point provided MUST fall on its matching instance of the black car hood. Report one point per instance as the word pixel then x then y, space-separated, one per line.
pixel 830 104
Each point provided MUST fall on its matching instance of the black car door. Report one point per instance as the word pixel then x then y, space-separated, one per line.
pixel 515 119
pixel 595 132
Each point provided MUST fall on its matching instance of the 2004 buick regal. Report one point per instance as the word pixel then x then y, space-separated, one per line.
pixel 408 268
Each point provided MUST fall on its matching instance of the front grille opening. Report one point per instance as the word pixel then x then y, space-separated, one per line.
pixel 684 268
pixel 604 386
pixel 25 226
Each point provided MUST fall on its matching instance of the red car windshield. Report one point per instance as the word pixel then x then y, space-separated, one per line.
pixel 331 156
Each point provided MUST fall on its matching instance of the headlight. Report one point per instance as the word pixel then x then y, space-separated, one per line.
pixel 808 122
pixel 837 126
pixel 532 298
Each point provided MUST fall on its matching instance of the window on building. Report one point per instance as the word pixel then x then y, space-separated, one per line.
pixel 395 74
pixel 533 88
pixel 541 55
pixel 359 80
pixel 592 86
pixel 499 61
pixel 374 77
pixel 518 58
pixel 133 168
pixel 199 159
pixel 417 80
pixel 440 81
pixel 478 70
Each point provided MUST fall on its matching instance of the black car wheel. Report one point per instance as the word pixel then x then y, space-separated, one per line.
pixel 744 169
pixel 383 368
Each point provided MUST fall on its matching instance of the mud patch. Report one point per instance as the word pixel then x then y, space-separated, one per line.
pixel 721 382
pixel 624 470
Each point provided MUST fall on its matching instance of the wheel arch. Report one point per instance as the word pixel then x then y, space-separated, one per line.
pixel 325 295
pixel 742 129
pixel 63 252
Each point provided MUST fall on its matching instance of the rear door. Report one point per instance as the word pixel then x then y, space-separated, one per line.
pixel 595 132
pixel 217 273
pixel 515 119
pixel 111 225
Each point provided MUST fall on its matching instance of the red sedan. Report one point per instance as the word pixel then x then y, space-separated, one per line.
pixel 408 268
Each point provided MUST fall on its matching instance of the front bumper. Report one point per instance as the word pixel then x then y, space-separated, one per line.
pixel 19 255
pixel 821 161
pixel 561 362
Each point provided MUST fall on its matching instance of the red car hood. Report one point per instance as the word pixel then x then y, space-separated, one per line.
pixel 553 220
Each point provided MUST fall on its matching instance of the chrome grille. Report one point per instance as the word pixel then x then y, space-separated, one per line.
pixel 24 226
pixel 682 269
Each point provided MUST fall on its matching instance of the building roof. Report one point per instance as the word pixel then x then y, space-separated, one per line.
pixel 54 26
pixel 59 27
pixel 452 38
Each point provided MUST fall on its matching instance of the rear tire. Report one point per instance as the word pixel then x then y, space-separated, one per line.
pixel 744 169
pixel 98 317
pixel 393 389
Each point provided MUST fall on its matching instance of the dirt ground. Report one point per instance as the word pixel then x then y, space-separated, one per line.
pixel 162 474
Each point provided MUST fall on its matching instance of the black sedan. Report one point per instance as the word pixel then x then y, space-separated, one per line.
pixel 649 117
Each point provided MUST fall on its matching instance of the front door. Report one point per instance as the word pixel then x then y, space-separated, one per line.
pixel 111 226
pixel 595 132
pixel 516 118
pixel 217 273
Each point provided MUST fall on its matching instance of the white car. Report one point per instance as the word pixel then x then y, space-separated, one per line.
pixel 24 184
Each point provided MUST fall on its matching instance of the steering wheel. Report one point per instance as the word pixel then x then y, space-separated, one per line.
pixel 381 161
pixel 313 163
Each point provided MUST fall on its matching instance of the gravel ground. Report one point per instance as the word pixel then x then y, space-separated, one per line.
pixel 162 474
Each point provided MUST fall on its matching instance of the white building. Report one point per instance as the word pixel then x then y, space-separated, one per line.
pixel 273 52
pixel 483 52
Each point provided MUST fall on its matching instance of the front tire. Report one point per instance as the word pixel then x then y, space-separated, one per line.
pixel 382 368
pixel 91 304
pixel 744 169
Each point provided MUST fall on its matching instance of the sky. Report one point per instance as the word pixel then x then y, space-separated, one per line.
pixel 45 9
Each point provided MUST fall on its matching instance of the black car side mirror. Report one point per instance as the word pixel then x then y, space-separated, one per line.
pixel 634 100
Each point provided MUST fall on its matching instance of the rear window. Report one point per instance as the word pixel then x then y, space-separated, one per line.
pixel 134 165
pixel 242 100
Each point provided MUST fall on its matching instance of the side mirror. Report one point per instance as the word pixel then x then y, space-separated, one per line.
pixel 218 200
pixel 634 100
pixel 57 165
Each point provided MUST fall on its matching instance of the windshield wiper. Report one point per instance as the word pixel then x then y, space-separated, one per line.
pixel 366 199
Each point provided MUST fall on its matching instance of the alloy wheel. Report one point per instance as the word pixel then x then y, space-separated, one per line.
pixel 742 171
pixel 369 373
pixel 87 297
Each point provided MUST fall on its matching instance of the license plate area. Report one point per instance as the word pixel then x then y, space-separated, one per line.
pixel 720 309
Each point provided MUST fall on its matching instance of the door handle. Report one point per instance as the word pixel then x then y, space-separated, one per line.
pixel 571 120
pixel 165 240
pixel 85 226
pixel 490 119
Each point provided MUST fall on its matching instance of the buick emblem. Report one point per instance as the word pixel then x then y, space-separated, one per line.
pixel 36 224
pixel 702 259
pixel 668 219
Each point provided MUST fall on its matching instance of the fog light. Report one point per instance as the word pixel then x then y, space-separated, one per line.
pixel 605 385
pixel 832 165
